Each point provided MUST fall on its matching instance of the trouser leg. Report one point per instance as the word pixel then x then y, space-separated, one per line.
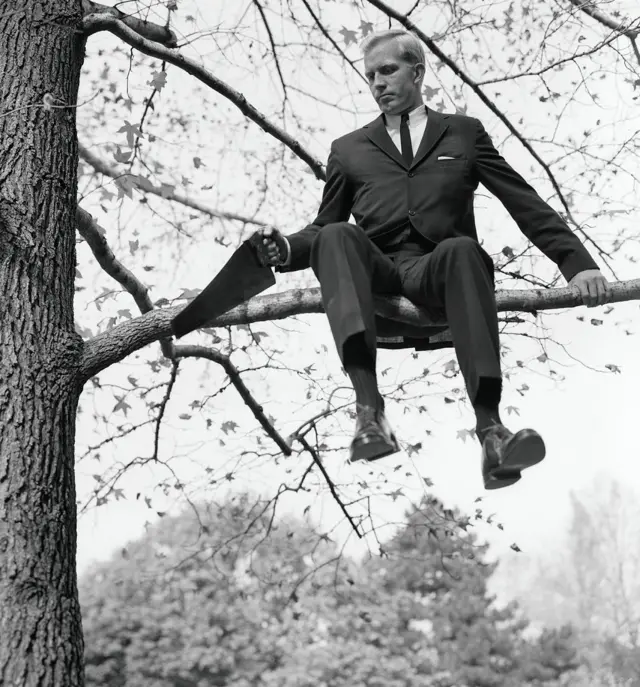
pixel 457 277
pixel 350 269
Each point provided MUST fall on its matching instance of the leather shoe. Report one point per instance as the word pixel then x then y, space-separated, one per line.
pixel 373 438
pixel 505 455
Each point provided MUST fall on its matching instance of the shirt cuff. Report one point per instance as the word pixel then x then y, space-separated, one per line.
pixel 287 260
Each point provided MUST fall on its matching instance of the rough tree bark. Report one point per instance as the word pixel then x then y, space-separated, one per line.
pixel 40 60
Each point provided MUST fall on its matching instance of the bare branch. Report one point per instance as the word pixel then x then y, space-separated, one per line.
pixel 93 234
pixel 263 16
pixel 327 35
pixel 236 380
pixel 162 410
pixel 93 23
pixel 463 76
pixel 95 11
pixel 632 33
pixel 147 187
pixel 332 486
pixel 126 338
pixel 590 8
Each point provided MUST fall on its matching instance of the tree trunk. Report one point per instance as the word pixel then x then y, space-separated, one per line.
pixel 40 61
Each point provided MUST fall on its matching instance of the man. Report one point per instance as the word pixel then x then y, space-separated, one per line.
pixel 408 178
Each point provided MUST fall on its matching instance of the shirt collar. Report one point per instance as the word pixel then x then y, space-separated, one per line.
pixel 415 116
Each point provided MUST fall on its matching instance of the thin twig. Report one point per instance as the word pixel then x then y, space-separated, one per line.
pixel 590 8
pixel 93 23
pixel 147 187
pixel 163 407
pixel 236 379
pixel 327 35
pixel 332 488
pixel 619 27
pixel 273 45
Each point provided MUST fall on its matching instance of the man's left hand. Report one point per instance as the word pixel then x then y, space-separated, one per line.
pixel 593 287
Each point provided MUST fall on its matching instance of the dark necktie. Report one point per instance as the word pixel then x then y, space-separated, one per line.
pixel 405 139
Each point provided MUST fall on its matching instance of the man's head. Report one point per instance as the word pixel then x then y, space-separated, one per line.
pixel 394 65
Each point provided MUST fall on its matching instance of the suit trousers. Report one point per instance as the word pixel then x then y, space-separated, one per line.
pixel 454 279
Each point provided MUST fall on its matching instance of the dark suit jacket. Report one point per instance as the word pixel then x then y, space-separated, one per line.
pixel 368 178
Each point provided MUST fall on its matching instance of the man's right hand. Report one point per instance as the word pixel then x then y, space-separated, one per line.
pixel 271 246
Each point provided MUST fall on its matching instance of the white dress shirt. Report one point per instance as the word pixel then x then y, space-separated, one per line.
pixel 417 126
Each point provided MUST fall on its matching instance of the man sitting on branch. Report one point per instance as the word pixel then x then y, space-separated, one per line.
pixel 408 179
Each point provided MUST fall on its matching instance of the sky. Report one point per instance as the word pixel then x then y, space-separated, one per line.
pixel 586 413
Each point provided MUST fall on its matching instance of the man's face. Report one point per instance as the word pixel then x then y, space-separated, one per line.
pixel 394 83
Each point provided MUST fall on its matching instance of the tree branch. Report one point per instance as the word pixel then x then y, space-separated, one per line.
pixel 463 76
pixel 589 8
pixel 162 410
pixel 332 487
pixel 147 187
pixel 126 338
pixel 94 12
pixel 93 234
pixel 237 381
pixel 263 16
pixel 327 35
pixel 104 22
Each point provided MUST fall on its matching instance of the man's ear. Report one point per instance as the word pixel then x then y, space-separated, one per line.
pixel 420 71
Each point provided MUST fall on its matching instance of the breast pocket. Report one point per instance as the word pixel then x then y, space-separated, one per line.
pixel 443 161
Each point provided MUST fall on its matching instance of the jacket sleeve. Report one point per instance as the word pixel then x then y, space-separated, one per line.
pixel 337 199
pixel 536 219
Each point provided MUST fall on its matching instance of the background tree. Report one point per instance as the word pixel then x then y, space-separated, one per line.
pixel 146 158
pixel 591 579
pixel 198 601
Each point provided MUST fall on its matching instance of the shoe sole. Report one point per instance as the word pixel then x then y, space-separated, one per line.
pixel 373 450
pixel 526 450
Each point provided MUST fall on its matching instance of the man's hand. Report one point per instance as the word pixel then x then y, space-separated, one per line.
pixel 271 246
pixel 593 287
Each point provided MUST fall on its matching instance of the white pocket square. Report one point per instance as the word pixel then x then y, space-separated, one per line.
pixel 447 157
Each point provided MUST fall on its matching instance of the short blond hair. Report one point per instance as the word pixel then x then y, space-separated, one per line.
pixel 411 48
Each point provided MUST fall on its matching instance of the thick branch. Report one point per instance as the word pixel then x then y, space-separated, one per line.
pixel 126 338
pixel 147 187
pixel 590 8
pixel 463 76
pixel 237 381
pixel 151 31
pixel 102 22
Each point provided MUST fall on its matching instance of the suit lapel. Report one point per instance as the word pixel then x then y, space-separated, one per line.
pixel 376 132
pixel 436 126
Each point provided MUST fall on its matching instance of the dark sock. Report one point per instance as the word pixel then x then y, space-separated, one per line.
pixel 360 365
pixel 486 406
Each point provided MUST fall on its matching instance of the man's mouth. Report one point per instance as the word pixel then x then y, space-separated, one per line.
pixel 386 95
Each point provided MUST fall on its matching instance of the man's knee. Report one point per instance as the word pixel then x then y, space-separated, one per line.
pixel 338 231
pixel 459 244
pixel 464 249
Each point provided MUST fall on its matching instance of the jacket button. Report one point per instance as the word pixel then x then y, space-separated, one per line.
pixel 412 212
pixel 411 174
